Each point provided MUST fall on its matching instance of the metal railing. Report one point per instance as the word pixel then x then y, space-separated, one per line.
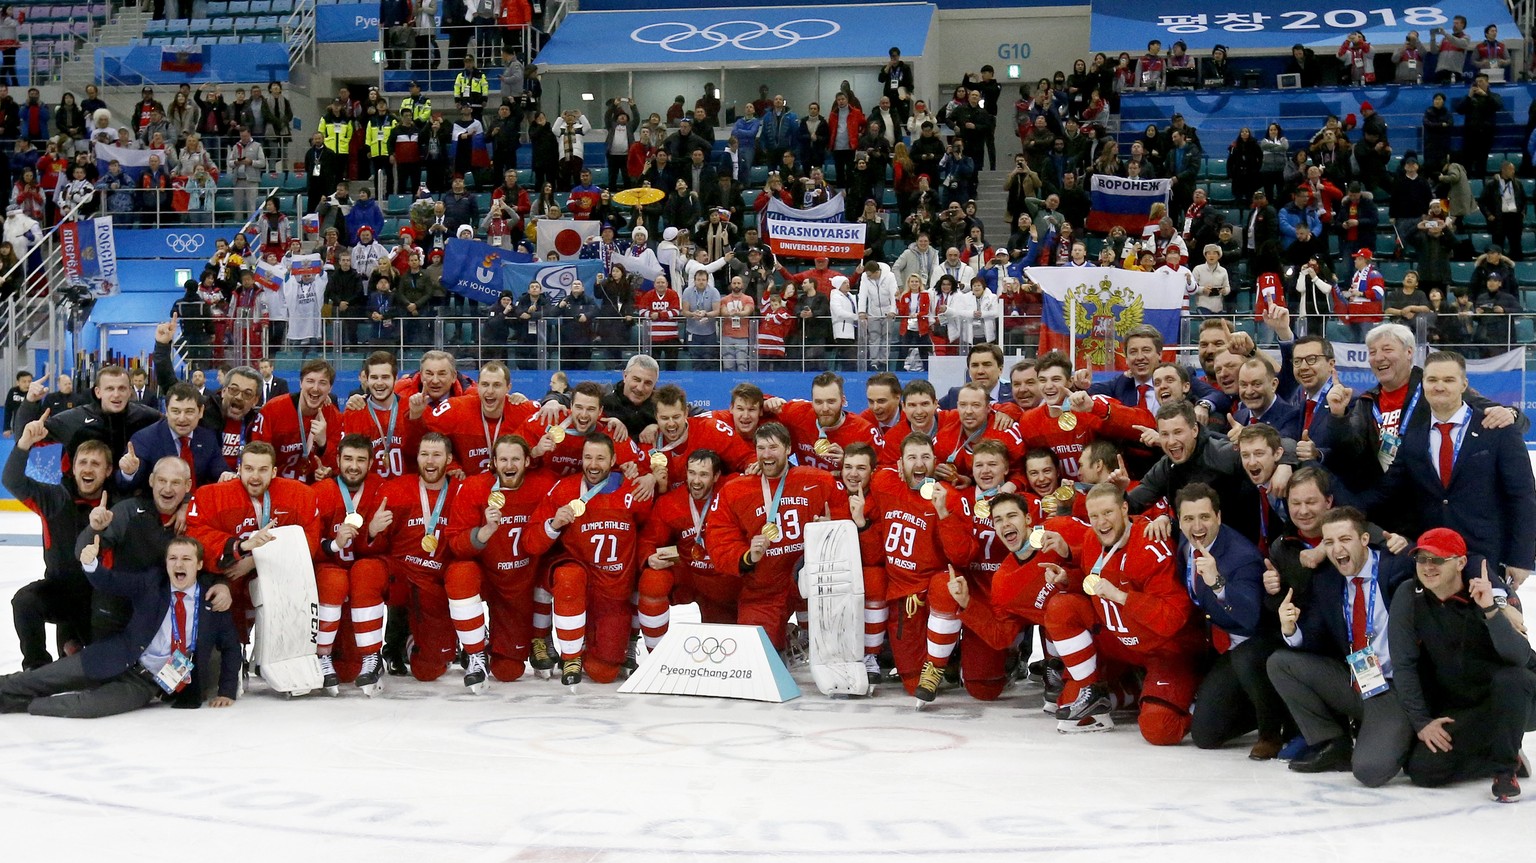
pixel 432 51
pixel 36 307
pixel 299 33
pixel 243 335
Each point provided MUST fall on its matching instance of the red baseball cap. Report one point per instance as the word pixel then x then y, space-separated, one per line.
pixel 1363 253
pixel 1442 542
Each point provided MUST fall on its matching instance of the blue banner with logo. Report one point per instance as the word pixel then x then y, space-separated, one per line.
pixel 482 271
pixel 347 22
pixel 1278 24
pixel 729 35
pixel 188 243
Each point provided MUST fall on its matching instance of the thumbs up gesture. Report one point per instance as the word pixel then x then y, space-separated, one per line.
pixel 1306 450
pixel 1271 578
pixel 1289 614
pixel 1339 397
pixel 89 554
pixel 129 463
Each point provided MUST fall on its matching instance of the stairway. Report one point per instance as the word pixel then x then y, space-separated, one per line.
pixel 991 201
pixel 122 27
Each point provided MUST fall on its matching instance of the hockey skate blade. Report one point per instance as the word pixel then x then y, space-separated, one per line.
pixel 372 689
pixel 1086 725
pixel 477 688
pixel 545 673
pixel 333 691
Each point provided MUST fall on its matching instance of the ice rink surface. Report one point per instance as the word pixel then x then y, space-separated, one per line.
pixel 526 772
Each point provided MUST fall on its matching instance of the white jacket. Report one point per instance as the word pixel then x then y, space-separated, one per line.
pixel 877 297
pixel 964 326
pixel 962 273
pixel 22 232
pixel 845 315
pixel 578 134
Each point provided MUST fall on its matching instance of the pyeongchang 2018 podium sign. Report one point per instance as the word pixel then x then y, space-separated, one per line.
pixel 715 660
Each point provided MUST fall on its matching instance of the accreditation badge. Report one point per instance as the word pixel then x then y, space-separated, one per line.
pixel 173 675
pixel 1366 669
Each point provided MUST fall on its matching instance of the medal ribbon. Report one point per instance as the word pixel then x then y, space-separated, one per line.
pixel 264 513
pixel 698 517
pixel 389 436
pixel 772 501
pixel 967 443
pixel 351 502
pixel 429 523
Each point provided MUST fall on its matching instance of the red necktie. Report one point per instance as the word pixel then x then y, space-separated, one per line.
pixel 186 456
pixel 1264 521
pixel 1357 631
pixel 1141 395
pixel 1447 452
pixel 179 632
pixel 1306 418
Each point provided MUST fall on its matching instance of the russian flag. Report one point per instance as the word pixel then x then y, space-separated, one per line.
pixel 181 58
pixel 305 265
pixel 1124 202
pixel 133 161
pixel 1088 311
pixel 268 276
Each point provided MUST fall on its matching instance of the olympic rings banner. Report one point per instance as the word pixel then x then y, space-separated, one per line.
pixel 714 660
pixel 1278 24
pixel 736 36
pixel 148 244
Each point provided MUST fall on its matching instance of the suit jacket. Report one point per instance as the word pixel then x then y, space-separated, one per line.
pixel 1292 391
pixel 151 396
pixel 1004 395
pixel 158 441
pixel 1122 388
pixel 1322 626
pixel 149 592
pixel 1491 500
pixel 1284 416
pixel 1241 611
pixel 269 391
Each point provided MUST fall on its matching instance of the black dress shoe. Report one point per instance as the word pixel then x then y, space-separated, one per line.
pixel 1333 755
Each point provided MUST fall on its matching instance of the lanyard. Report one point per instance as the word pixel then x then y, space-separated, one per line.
pixel 1402 418
pixel 1458 434
pixel 698 517
pixel 772 512
pixel 675 444
pixel 1370 608
pixel 389 437
pixel 348 499
pixel 429 523
pixel 306 437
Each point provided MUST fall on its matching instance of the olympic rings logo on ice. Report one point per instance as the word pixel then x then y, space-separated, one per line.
pixel 682 38
pixel 181 244
pixel 716 650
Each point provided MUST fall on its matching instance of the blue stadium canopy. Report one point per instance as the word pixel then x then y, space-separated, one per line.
pixel 1278 24
pixel 736 37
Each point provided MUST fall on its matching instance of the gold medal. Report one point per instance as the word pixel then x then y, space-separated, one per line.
pixel 926 489
pixel 983 508
pixel 658 461
pixel 496 499
pixel 1091 584
pixel 1037 537
pixel 1065 492
pixel 429 544
pixel 1067 421
pixel 822 446
pixel 578 507
pixel 770 531
pixel 353 520
pixel 556 433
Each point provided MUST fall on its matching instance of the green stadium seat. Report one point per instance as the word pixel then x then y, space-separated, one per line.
pixel 1393 271
pixel 1525 331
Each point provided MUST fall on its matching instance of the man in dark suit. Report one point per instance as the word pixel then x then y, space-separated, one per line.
pixel 1306 374
pixel 144 392
pixel 180 435
pixel 1261 240
pixel 1366 433
pixel 1340 672
pixel 1257 385
pixel 137 532
pixel 1454 472
pixel 1143 353
pixel 176 625
pixel 271 385
pixel 983 365
pixel 1224 574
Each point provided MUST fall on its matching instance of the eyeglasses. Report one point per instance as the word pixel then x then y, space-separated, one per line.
pixel 1312 360
pixel 1429 560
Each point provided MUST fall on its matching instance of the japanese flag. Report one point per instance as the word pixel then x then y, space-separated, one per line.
pixel 564 237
